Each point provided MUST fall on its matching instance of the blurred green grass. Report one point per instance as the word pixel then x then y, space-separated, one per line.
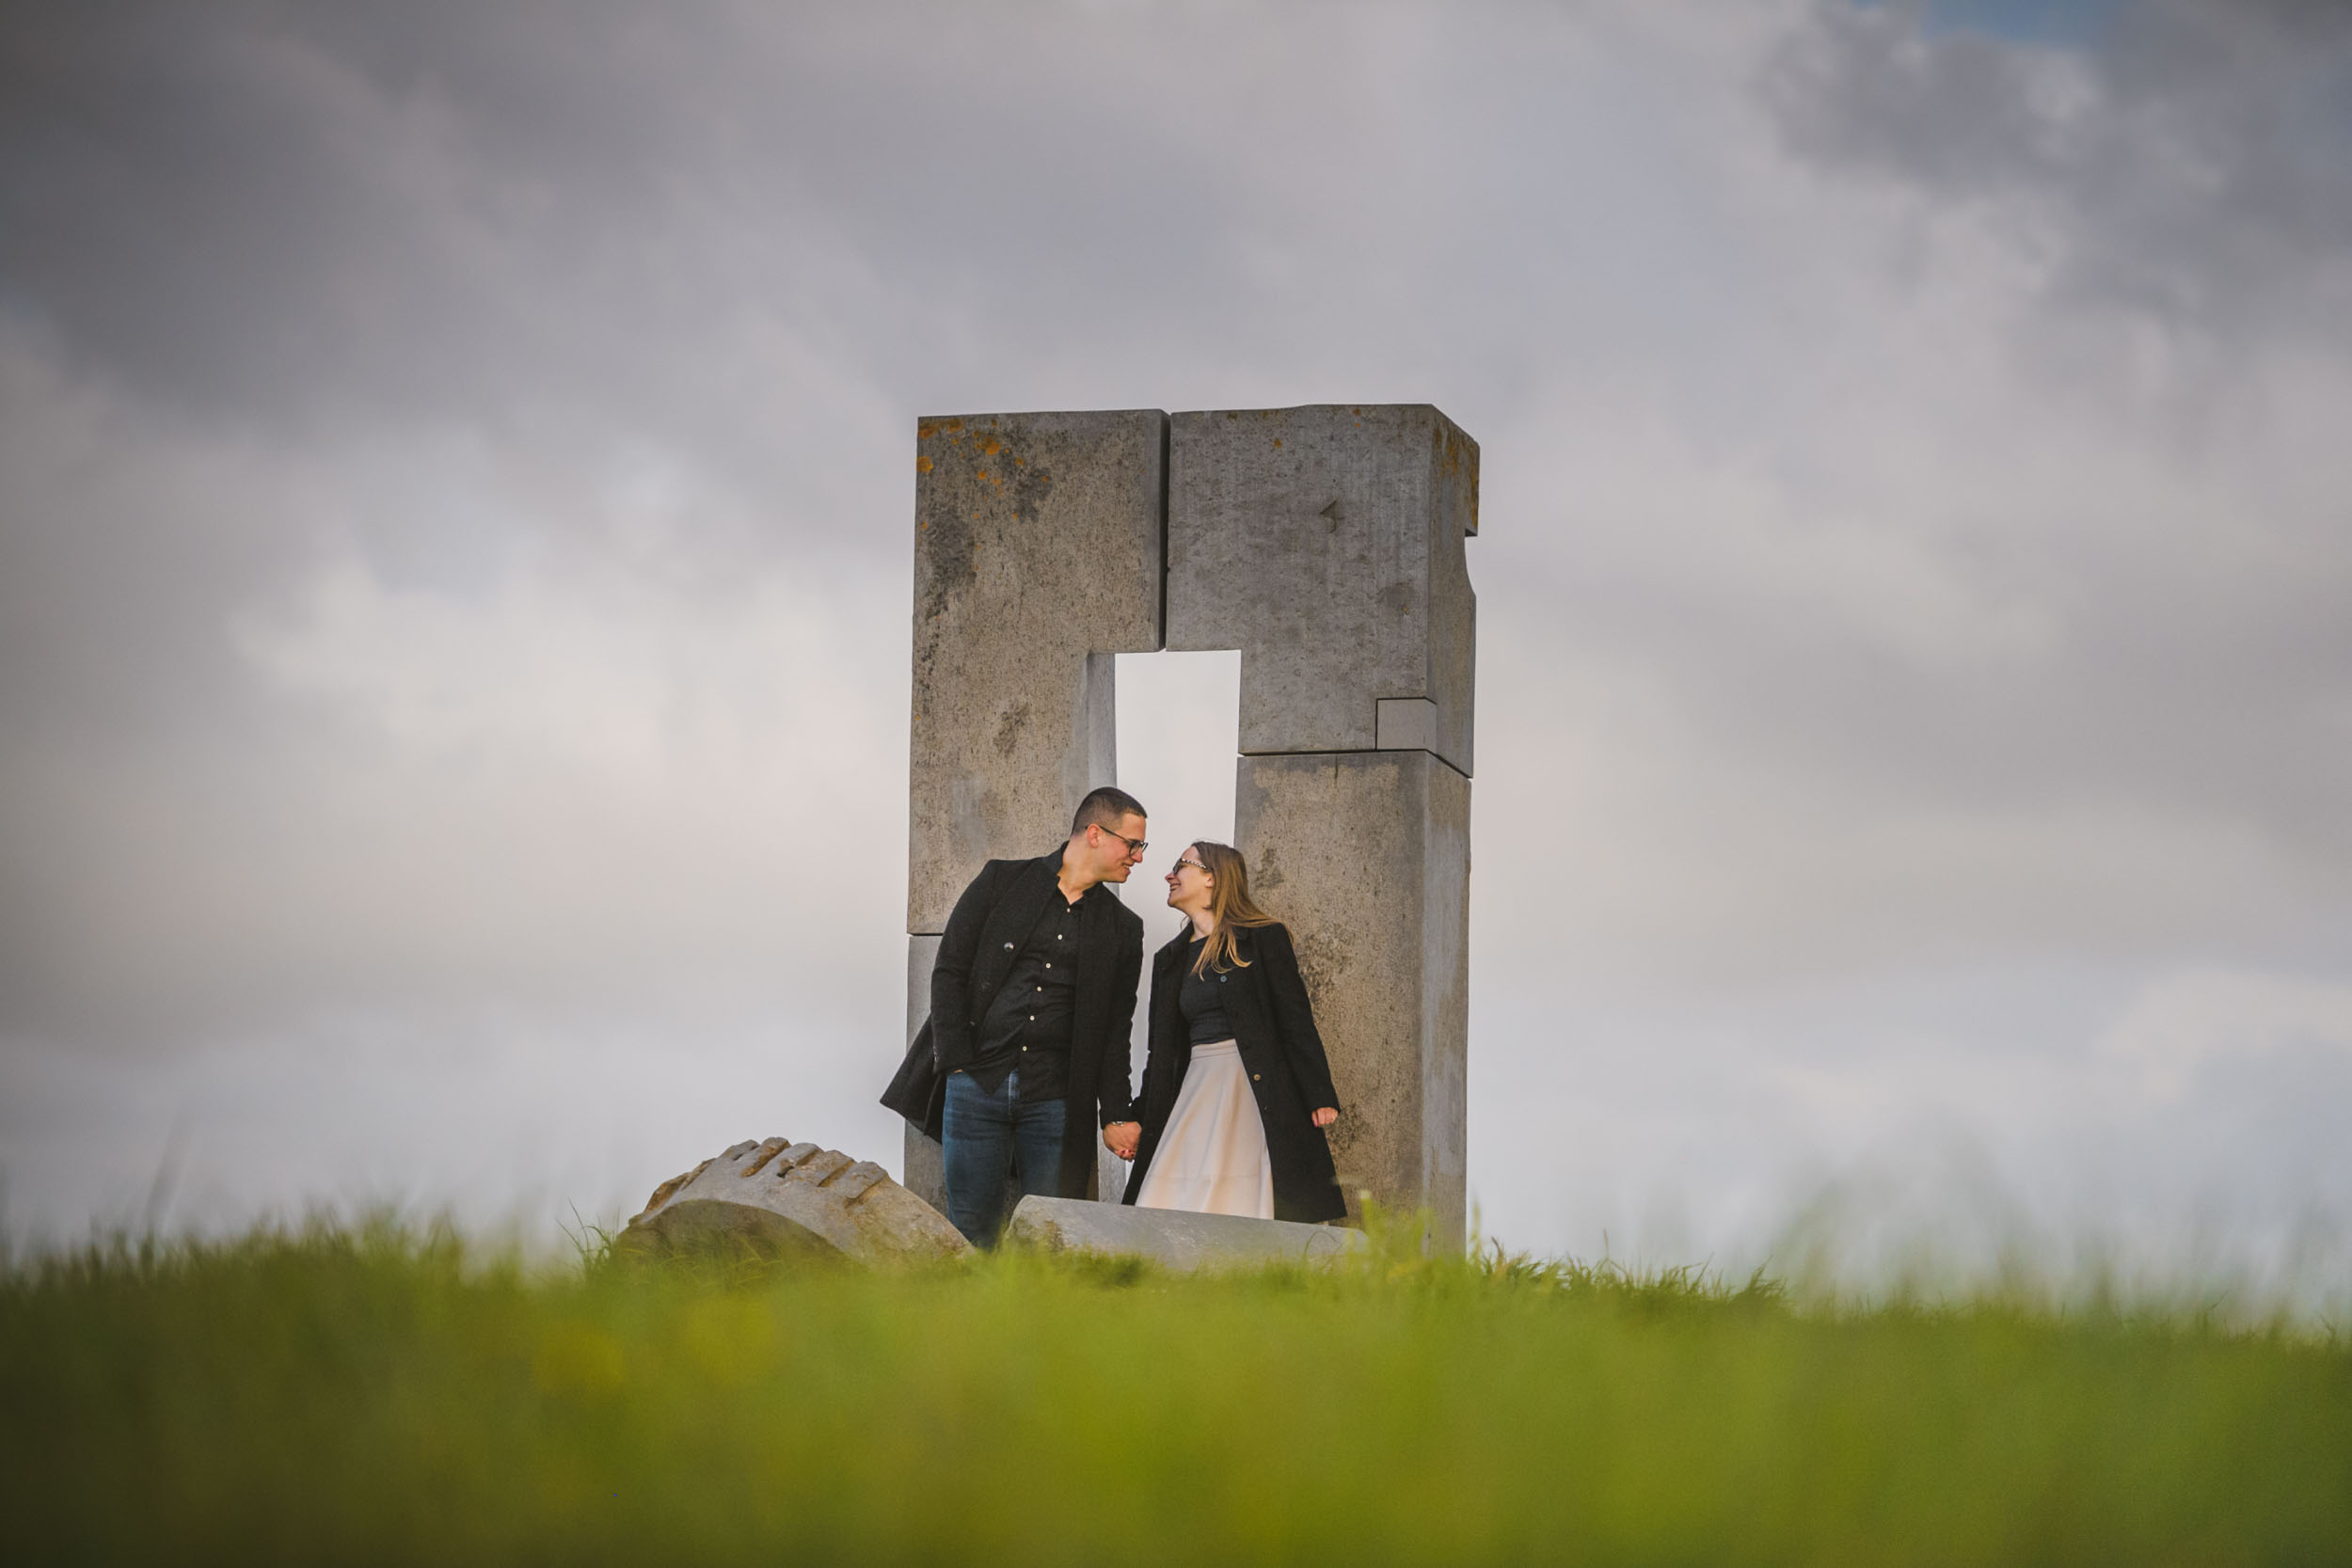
pixel 375 1393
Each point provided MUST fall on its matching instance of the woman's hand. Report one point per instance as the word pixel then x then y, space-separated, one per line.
pixel 1325 1117
pixel 1120 1138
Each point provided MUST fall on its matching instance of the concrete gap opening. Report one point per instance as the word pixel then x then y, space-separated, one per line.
pixel 1179 733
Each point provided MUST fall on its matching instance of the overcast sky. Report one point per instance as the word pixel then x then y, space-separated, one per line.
pixel 455 500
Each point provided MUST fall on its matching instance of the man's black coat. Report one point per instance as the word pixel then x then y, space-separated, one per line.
pixel 990 923
pixel 1266 1002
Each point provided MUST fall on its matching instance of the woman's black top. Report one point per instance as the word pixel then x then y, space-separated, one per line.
pixel 1203 1000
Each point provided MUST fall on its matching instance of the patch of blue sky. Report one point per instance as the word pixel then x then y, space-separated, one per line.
pixel 2058 24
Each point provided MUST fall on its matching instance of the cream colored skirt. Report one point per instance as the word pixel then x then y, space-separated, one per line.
pixel 1212 1157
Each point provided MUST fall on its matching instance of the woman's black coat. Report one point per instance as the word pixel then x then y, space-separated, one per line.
pixel 1266 1002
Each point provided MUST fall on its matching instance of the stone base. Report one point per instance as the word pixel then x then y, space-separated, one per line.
pixel 1172 1239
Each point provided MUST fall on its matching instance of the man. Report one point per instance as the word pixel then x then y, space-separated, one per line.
pixel 1033 995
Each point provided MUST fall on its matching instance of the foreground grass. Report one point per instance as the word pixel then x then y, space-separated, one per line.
pixel 346 1396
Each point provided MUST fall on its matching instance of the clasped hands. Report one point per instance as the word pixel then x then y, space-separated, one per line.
pixel 1120 1137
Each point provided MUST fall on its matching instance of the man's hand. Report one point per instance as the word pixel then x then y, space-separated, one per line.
pixel 1325 1117
pixel 1120 1138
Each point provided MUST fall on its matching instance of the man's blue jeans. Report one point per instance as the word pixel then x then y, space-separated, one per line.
pixel 988 1136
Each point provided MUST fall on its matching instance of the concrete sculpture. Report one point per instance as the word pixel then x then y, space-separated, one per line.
pixel 1324 542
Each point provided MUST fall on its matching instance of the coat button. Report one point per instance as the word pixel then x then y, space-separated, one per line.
pixel 1253 1077
pixel 1009 947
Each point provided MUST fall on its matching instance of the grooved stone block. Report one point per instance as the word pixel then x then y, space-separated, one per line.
pixel 1175 1240
pixel 776 1196
pixel 1365 856
pixel 1326 543
pixel 1037 557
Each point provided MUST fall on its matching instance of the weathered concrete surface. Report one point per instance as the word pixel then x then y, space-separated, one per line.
pixel 1326 543
pixel 791 1200
pixel 1172 1239
pixel 1037 557
pixel 924 1161
pixel 1365 856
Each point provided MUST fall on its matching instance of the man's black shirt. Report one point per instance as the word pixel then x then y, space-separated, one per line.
pixel 1028 1024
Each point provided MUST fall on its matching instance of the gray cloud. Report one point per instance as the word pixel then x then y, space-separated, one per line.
pixel 2191 170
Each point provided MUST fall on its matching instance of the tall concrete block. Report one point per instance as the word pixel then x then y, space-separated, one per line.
pixel 1037 557
pixel 923 1169
pixel 1326 543
pixel 1365 855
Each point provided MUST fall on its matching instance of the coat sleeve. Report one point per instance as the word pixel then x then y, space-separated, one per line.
pixel 1118 1099
pixel 952 971
pixel 1295 1017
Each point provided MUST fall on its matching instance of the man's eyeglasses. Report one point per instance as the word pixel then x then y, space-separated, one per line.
pixel 1136 846
pixel 1179 867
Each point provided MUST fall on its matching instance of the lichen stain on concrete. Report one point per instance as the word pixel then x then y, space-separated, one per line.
pixel 990 447
pixel 923 464
pixel 1278 440
pixel 926 431
pixel 1009 729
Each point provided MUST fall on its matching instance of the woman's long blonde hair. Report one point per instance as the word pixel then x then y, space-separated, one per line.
pixel 1230 906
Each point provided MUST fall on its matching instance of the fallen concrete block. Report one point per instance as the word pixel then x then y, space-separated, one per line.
pixel 1173 1238
pixel 778 1198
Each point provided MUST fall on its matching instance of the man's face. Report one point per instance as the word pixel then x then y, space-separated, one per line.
pixel 1117 850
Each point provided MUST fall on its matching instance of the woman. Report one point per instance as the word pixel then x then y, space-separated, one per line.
pixel 1236 1092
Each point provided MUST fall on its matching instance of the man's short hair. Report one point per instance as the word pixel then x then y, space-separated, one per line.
pixel 1105 807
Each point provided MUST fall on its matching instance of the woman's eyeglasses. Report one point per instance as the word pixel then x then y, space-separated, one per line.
pixel 1178 868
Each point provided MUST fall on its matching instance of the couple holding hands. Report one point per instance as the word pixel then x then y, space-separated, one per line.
pixel 1025 1054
